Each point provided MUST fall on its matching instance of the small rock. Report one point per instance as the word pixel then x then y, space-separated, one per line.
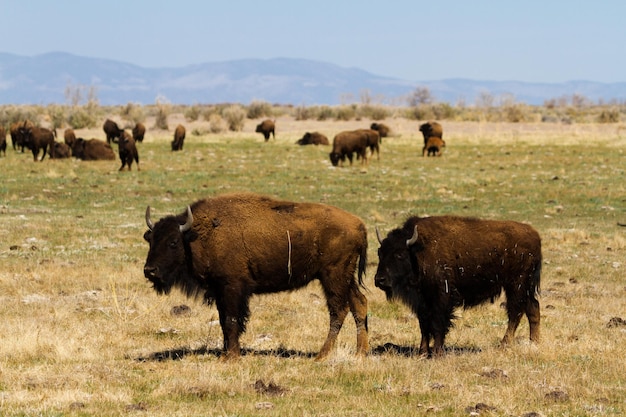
pixel 181 310
pixel 616 322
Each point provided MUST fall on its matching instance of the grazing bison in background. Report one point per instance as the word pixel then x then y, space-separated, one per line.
pixel 127 151
pixel 37 138
pixel 314 138
pixel 60 150
pixel 433 146
pixel 112 130
pixel 92 150
pixel 227 248
pixel 382 129
pixel 3 141
pixel 139 131
pixel 346 143
pixel 267 127
pixel 430 129
pixel 179 138
pixel 436 264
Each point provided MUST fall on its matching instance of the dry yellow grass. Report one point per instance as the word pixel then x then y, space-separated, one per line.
pixel 84 334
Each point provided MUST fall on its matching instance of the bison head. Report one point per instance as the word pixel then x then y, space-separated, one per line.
pixel 335 158
pixel 395 269
pixel 166 264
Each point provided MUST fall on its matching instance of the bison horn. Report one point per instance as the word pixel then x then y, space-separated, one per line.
pixel 148 220
pixel 413 238
pixel 185 227
pixel 380 240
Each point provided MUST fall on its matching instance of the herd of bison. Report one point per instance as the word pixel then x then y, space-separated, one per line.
pixel 433 265
pixel 25 135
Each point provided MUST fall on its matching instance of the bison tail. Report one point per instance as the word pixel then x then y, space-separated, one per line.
pixel 362 265
pixel 536 283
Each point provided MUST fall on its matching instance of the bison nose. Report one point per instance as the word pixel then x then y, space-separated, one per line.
pixel 379 281
pixel 150 271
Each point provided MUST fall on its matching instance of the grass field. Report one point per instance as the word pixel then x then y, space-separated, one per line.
pixel 83 333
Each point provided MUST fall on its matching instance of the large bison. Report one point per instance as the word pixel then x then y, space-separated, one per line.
pixel 92 150
pixel 179 138
pixel 128 151
pixel 227 248
pixel 37 138
pixel 267 127
pixel 112 131
pixel 346 144
pixel 382 129
pixel 139 132
pixel 430 129
pixel 436 264
pixel 433 146
pixel 69 137
pixel 314 138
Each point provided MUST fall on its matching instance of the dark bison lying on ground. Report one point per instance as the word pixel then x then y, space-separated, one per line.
pixel 37 138
pixel 179 138
pixel 436 264
pixel 60 150
pixel 346 144
pixel 227 248
pixel 382 129
pixel 128 151
pixel 112 130
pixel 92 150
pixel 267 127
pixel 314 138
pixel 433 146
pixel 139 132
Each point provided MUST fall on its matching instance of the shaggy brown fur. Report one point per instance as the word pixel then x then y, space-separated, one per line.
pixel 436 264
pixel 179 138
pixel 244 244
pixel 433 146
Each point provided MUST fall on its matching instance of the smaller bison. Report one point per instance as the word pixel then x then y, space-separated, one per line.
pixel 382 129
pixel 346 144
pixel 69 137
pixel 112 131
pixel 92 150
pixel 433 146
pixel 128 151
pixel 314 138
pixel 139 131
pixel 430 129
pixel 373 141
pixel 267 127
pixel 437 264
pixel 179 138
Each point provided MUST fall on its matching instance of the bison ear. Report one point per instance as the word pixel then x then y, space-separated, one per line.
pixel 187 226
pixel 413 238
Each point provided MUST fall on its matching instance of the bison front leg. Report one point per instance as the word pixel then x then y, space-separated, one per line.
pixel 233 313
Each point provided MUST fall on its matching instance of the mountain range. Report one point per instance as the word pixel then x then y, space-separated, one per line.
pixel 43 79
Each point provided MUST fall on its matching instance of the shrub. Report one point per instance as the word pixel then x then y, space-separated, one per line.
pixel 258 109
pixel 216 123
pixel 324 113
pixel 608 116
pixel 192 113
pixel 346 113
pixel 235 116
pixel 81 118
pixel 161 116
pixel 133 113
pixel 57 116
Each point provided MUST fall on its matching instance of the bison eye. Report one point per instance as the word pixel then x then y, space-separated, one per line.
pixel 400 256
pixel 173 244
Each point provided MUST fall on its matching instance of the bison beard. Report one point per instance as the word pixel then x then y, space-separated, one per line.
pixel 227 248
pixel 437 264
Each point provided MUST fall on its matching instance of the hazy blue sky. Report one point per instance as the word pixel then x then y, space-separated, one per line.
pixel 535 41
